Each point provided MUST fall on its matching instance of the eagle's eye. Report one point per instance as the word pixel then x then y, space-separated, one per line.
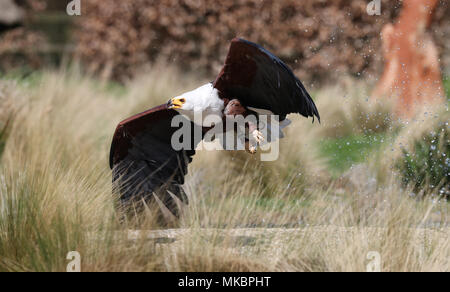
pixel 182 100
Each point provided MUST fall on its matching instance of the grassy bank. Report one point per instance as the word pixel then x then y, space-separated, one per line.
pixel 55 188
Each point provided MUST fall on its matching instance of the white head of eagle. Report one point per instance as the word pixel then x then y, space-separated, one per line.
pixel 203 100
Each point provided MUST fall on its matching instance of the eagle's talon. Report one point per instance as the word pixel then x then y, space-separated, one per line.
pixel 250 148
pixel 258 136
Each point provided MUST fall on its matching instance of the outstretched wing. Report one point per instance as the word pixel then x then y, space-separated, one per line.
pixel 143 160
pixel 259 79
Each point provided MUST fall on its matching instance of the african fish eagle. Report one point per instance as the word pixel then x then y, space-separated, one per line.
pixel 143 161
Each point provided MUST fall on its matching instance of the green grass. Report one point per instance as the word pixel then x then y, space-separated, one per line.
pixel 447 86
pixel 428 165
pixel 2 140
pixel 4 127
pixel 23 77
pixel 32 79
pixel 341 153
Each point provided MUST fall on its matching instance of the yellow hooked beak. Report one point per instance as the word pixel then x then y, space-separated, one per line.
pixel 176 103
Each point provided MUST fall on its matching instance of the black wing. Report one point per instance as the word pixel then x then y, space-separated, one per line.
pixel 259 79
pixel 144 162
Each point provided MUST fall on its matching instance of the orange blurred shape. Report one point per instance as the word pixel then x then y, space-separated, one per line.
pixel 411 72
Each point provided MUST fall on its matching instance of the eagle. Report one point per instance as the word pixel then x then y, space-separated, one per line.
pixel 144 164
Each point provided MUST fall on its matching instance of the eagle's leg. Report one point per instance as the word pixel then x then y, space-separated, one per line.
pixel 234 108
pixel 256 134
pixel 251 145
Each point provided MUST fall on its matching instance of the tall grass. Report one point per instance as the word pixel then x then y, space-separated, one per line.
pixel 244 215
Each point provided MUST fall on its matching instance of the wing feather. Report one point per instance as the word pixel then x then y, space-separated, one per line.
pixel 143 160
pixel 259 79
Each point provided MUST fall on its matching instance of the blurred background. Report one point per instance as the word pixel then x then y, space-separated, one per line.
pixel 321 39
